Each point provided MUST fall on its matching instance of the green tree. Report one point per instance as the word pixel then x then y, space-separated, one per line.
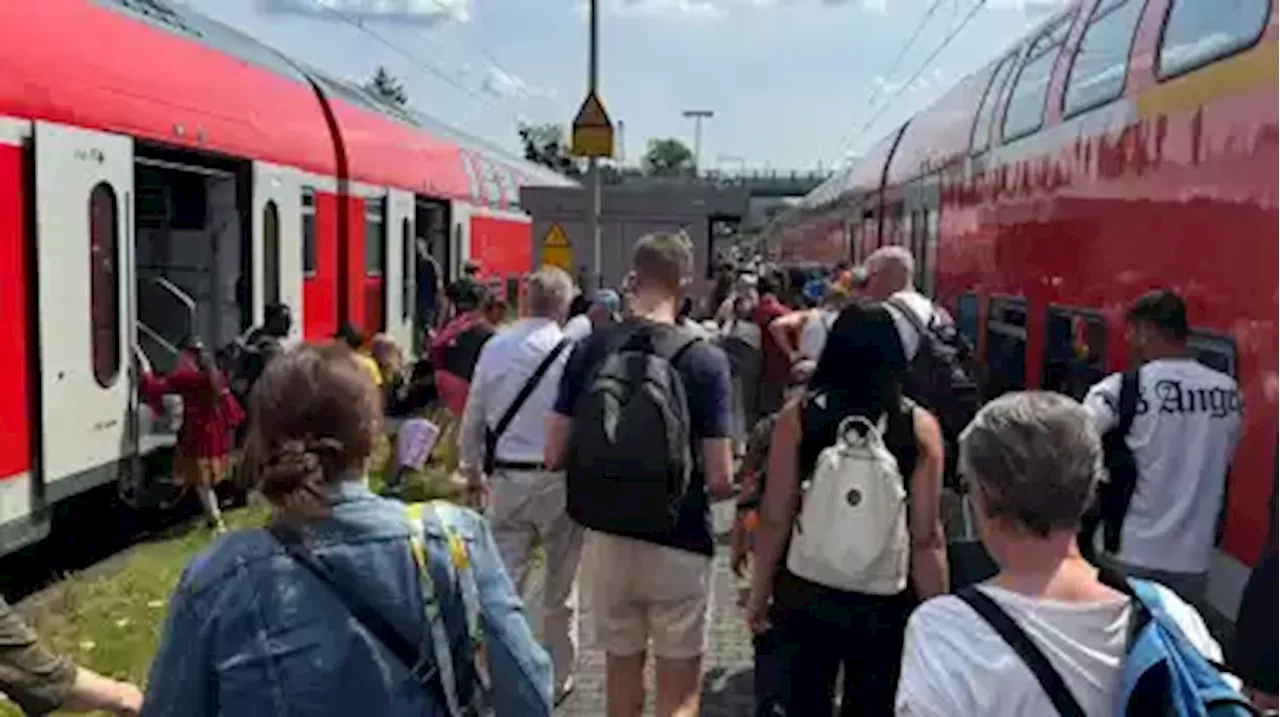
pixel 667 157
pixel 545 144
pixel 387 87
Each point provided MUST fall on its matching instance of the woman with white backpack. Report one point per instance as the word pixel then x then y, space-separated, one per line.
pixel 850 537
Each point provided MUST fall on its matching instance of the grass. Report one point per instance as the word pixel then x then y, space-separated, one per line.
pixel 109 618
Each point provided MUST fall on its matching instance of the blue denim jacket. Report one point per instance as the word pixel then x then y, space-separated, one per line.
pixel 250 633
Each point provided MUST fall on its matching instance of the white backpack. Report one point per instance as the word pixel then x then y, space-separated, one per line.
pixel 852 530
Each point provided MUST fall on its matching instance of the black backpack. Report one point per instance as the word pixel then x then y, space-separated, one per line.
pixel 943 378
pixel 631 457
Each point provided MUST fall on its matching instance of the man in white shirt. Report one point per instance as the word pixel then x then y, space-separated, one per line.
pixel 528 501
pixel 890 271
pixel 1032 461
pixel 1183 437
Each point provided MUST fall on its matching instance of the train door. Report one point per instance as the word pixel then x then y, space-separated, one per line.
pixel 397 282
pixel 84 260
pixel 277 240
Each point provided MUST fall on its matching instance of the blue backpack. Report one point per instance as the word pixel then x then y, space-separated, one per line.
pixel 1163 675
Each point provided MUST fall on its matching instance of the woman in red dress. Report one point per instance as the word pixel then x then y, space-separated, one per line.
pixel 209 415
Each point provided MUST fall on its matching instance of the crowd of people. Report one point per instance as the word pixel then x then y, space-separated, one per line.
pixel 837 408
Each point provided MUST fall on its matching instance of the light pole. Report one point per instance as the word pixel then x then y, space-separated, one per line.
pixel 593 163
pixel 697 116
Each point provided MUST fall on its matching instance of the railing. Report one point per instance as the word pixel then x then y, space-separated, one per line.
pixel 166 311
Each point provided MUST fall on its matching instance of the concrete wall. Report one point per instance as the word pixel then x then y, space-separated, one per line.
pixel 627 214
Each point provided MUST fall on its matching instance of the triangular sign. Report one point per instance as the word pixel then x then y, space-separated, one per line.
pixel 592 113
pixel 556 237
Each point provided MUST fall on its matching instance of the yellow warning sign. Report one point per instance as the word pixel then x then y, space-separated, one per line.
pixel 592 129
pixel 557 250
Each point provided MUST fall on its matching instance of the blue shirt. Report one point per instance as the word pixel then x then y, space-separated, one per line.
pixel 704 370
pixel 251 632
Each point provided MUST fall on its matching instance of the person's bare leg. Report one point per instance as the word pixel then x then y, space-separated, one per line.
pixel 679 687
pixel 624 685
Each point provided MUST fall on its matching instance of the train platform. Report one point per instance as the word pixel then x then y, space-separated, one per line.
pixel 726 666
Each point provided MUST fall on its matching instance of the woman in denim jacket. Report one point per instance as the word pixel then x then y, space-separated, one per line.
pixel 253 632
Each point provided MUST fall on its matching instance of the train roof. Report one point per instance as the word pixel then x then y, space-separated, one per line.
pixel 166 73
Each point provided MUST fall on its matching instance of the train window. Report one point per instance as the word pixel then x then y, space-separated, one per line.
pixel 1216 351
pixel 375 237
pixel 928 258
pixel 1006 354
pixel 104 284
pixel 406 269
pixel 1197 32
pixel 1102 61
pixel 308 231
pixel 1025 113
pixel 271 253
pixel 1075 351
pixel 981 138
pixel 967 316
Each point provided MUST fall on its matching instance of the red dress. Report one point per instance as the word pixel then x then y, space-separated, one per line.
pixel 209 413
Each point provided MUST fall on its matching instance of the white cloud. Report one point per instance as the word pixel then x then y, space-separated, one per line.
pixel 499 83
pixel 414 12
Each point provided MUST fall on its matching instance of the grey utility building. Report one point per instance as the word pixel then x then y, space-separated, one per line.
pixel 629 211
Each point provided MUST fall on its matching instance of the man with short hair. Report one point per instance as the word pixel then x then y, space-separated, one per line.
pixel 890 272
pixel 1187 420
pixel 501 442
pixel 1032 461
pixel 654 588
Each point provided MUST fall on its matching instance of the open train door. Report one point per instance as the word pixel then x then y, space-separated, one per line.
pixel 920 203
pixel 84 272
pixel 277 240
pixel 397 282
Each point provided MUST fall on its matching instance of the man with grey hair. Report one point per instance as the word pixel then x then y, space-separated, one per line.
pixel 501 442
pixel 1032 461
pixel 890 272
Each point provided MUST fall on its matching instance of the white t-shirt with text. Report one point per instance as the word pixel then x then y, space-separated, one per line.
pixel 955 664
pixel 924 309
pixel 1183 438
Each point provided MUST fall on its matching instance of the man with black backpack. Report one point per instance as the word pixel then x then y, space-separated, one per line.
pixel 501 445
pixel 942 376
pixel 642 428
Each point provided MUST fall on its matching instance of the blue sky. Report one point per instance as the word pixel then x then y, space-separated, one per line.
pixel 790 81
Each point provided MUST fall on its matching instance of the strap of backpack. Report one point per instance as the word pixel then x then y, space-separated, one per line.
pixel 459 564
pixel 910 315
pixel 424 671
pixel 493 435
pixel 1035 660
pixel 1128 401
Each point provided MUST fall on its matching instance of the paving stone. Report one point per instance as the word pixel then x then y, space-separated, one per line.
pixel 726 666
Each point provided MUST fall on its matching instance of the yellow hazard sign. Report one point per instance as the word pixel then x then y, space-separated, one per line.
pixel 592 129
pixel 557 250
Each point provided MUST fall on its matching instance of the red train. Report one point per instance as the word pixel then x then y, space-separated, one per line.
pixel 1122 146
pixel 162 174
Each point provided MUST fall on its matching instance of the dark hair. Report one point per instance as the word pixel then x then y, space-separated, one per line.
pixel 1163 310
pixel 206 362
pixel 579 305
pixel 278 316
pixel 349 335
pixel 313 416
pixel 863 360
pixel 663 259
pixel 470 295
pixel 767 284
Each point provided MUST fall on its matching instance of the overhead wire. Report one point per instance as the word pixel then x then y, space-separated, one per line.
pixel 421 64
pixel 946 41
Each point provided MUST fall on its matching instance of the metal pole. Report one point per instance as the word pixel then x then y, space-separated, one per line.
pixel 593 164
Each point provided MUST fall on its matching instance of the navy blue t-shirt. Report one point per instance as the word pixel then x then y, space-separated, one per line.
pixel 705 371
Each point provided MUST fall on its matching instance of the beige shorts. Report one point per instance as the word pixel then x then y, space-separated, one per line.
pixel 642 592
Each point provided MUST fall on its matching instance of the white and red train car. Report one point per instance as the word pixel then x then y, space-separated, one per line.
pixel 162 175
pixel 1124 145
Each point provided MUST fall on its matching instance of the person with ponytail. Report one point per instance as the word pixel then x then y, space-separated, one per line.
pixel 346 603
pixel 210 415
